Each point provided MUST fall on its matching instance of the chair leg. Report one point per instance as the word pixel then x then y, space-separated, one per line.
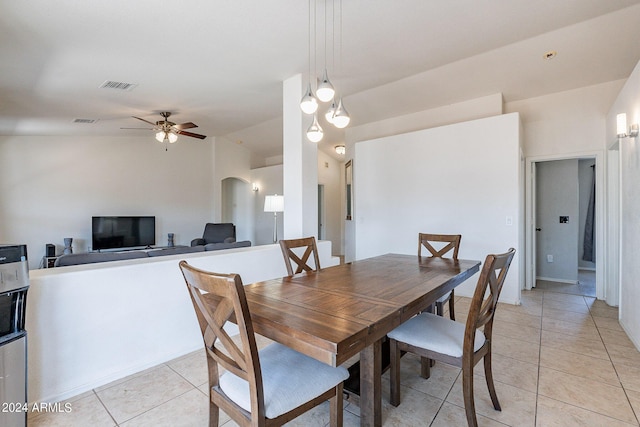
pixel 452 314
pixel 425 367
pixel 467 392
pixel 214 414
pixel 394 372
pixel 336 408
pixel 439 309
pixel 488 374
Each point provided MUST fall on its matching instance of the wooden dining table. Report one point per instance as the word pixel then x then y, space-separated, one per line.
pixel 342 311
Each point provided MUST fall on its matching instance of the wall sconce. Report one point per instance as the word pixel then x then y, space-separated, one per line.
pixel 254 187
pixel 621 127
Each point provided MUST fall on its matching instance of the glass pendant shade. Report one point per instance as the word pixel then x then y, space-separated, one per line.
pixel 172 137
pixel 314 133
pixel 331 111
pixel 341 117
pixel 309 103
pixel 325 89
pixel 160 136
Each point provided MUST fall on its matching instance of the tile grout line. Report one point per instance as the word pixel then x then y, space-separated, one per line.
pixel 624 390
pixel 105 407
pixel 535 415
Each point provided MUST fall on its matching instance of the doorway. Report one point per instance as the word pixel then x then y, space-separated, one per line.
pixel 237 206
pixel 560 190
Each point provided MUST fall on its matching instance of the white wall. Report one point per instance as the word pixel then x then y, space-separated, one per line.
pixel 486 106
pixel 566 122
pixel 468 110
pixel 462 178
pixel 51 186
pixel 269 182
pixel 628 101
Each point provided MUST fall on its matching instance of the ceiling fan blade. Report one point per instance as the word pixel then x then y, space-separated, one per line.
pixel 140 128
pixel 146 121
pixel 187 125
pixel 191 134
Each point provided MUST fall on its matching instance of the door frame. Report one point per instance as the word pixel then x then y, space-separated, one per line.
pixel 530 206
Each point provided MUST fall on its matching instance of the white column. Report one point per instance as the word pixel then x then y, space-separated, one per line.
pixel 300 165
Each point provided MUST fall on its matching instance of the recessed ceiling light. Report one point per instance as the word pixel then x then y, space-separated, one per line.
pixel 550 55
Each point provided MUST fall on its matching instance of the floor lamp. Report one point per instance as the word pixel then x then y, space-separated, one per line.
pixel 274 204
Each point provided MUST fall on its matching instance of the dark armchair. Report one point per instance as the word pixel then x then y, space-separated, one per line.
pixel 216 233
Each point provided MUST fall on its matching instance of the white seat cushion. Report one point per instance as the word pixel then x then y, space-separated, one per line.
pixel 435 333
pixel 289 379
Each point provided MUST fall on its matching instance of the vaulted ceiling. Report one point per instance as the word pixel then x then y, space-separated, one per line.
pixel 220 64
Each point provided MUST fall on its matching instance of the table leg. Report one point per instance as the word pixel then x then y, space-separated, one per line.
pixel 371 385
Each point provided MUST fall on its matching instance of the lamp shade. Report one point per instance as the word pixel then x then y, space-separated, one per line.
pixel 274 203
pixel 309 103
pixel 325 90
pixel 340 117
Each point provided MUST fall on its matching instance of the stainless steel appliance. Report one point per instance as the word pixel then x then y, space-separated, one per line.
pixel 14 283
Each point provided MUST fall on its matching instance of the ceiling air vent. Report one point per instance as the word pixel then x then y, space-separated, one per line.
pixel 110 84
pixel 85 121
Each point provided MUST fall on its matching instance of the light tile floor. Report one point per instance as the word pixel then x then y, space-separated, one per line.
pixel 559 360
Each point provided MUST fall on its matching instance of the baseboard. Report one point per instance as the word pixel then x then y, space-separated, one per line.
pixel 551 279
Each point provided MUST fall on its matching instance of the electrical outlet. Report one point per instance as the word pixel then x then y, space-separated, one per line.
pixel 549 258
pixel 509 220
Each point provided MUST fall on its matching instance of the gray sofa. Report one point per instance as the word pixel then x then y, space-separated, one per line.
pixel 94 257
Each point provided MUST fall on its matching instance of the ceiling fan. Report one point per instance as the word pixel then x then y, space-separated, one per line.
pixel 169 131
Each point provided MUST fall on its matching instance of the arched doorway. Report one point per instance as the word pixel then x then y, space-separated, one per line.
pixel 237 207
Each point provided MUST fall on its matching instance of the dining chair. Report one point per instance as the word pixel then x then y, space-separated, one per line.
pixel 290 256
pixel 452 243
pixel 259 388
pixel 435 337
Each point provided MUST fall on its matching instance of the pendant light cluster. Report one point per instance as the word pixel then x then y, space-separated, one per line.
pixel 337 115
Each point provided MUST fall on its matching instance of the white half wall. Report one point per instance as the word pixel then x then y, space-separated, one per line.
pixel 458 179
pixel 91 324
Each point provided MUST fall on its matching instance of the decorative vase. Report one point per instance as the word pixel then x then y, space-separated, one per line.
pixel 170 240
pixel 67 246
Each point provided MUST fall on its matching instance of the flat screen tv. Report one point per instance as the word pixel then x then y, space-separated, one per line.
pixel 113 232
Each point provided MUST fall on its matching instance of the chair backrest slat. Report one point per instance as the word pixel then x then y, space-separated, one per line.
pixel 301 262
pixel 452 243
pixel 483 306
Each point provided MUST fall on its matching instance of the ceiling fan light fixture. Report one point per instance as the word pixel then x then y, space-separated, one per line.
pixel 325 91
pixel 160 136
pixel 315 133
pixel 309 103
pixel 341 117
pixel 172 137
